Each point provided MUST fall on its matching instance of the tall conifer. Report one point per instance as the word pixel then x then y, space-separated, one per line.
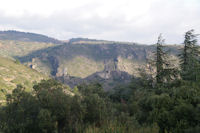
pixel 189 57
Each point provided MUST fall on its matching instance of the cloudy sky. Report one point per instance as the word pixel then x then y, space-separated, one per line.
pixel 120 20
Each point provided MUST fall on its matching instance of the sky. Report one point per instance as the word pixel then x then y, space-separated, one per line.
pixel 138 21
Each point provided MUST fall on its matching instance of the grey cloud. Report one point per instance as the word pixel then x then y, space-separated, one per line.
pixel 171 19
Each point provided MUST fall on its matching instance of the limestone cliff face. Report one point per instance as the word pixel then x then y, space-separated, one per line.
pixel 97 61
pixel 108 80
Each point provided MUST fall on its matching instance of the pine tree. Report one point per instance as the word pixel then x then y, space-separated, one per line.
pixel 160 54
pixel 189 57
pixel 164 71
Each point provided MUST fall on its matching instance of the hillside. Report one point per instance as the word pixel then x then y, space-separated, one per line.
pixel 13 73
pixel 27 37
pixel 13 48
pixel 81 59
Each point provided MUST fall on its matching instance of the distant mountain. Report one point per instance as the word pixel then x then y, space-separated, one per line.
pixel 13 73
pixel 83 60
pixel 26 36
pixel 86 40
pixel 95 41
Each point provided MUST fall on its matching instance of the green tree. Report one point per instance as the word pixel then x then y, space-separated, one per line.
pixel 45 121
pixel 160 60
pixel 189 57
pixel 161 70
pixel 51 96
pixel 20 114
pixel 165 71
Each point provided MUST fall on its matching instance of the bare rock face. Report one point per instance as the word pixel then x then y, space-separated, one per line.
pixel 109 66
pixel 61 72
pixel 33 64
pixel 112 75
pixel 104 74
pixel 108 80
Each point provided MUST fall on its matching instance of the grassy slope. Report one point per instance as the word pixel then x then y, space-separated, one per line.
pixel 80 66
pixel 12 73
pixel 9 48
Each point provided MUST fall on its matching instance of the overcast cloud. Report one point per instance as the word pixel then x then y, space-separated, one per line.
pixel 120 20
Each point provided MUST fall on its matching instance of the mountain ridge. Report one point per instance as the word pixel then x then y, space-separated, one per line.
pixel 27 36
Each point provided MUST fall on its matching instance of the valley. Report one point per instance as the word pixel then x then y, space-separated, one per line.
pixel 95 86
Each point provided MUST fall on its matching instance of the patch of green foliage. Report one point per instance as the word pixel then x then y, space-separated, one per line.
pixel 51 108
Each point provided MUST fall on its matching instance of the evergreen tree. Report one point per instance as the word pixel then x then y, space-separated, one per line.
pixel 189 57
pixel 164 70
pixel 160 61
